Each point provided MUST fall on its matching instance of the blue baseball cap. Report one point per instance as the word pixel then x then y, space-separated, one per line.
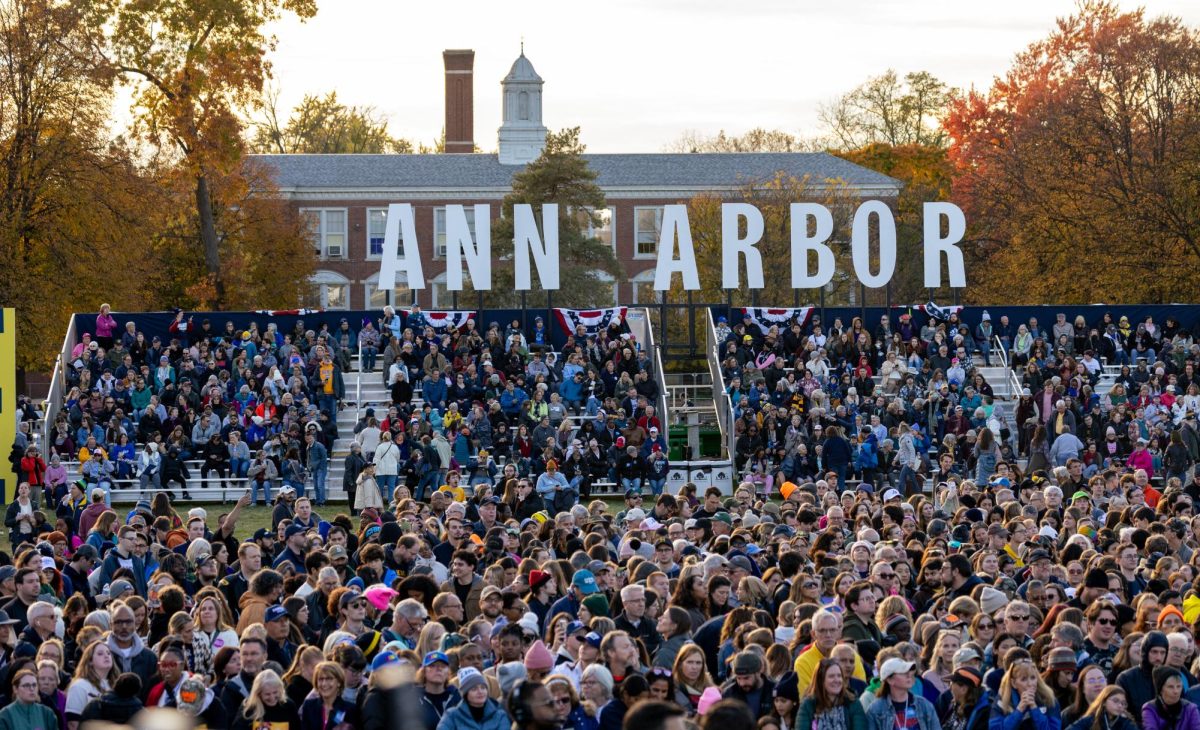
pixel 383 659
pixel 593 638
pixel 434 657
pixel 575 626
pixel 585 582
pixel 274 613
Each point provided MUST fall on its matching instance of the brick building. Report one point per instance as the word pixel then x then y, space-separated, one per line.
pixel 346 196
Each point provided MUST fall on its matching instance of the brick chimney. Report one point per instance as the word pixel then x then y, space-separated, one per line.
pixel 460 100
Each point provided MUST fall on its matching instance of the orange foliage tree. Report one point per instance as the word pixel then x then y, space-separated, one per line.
pixel 1078 168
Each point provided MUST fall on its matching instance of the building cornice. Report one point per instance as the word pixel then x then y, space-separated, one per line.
pixel 498 193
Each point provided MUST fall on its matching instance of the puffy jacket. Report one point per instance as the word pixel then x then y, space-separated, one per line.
pixel 1189 718
pixel 459 717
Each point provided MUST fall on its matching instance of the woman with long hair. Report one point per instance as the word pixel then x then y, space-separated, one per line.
pixel 1024 696
pixel 675 627
pixel 266 705
pixel 691 677
pixel 968 706
pixel 95 674
pixel 690 595
pixel 1090 682
pixel 941 661
pixel 829 704
pixel 1109 711
pixel 210 625
pixel 298 679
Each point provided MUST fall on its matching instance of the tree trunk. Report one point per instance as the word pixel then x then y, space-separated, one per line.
pixel 208 236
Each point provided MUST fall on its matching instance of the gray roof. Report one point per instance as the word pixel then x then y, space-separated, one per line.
pixel 476 171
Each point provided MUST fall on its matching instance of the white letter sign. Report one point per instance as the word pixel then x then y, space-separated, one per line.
pixel 675 220
pixel 400 221
pixel 935 245
pixel 732 246
pixel 526 238
pixel 459 244
pixel 802 244
pixel 860 244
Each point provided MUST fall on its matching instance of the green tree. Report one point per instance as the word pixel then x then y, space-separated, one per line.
pixel 324 125
pixel 194 65
pixel 756 140
pixel 560 175
pixel 890 110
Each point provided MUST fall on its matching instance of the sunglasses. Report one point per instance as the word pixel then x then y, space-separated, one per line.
pixel 660 672
pixel 1106 622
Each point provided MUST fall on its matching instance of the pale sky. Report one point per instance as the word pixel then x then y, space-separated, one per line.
pixel 636 74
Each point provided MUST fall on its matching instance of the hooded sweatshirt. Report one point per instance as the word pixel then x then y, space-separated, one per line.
pixel 1138 681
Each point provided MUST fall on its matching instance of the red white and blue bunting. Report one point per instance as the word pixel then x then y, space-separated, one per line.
pixel 447 320
pixel 939 313
pixel 287 312
pixel 781 318
pixel 592 320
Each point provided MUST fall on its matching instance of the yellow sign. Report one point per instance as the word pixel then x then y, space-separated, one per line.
pixel 8 400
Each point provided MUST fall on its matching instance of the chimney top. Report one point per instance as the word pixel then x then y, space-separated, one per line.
pixel 460 100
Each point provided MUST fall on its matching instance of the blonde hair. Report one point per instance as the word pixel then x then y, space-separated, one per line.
pixel 253 708
pixel 1021 668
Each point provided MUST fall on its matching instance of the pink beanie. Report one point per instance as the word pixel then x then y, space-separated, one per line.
pixel 711 696
pixel 380 596
pixel 539 657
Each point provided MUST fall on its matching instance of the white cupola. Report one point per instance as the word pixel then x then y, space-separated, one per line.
pixel 522 135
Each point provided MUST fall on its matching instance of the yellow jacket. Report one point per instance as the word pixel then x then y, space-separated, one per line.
pixel 806 668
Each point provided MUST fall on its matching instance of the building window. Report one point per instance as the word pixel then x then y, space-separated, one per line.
pixel 643 288
pixel 328 230
pixel 523 105
pixel 606 290
pixel 647 231
pixel 332 290
pixel 439 228
pixel 603 231
pixel 443 298
pixel 376 299
pixel 376 227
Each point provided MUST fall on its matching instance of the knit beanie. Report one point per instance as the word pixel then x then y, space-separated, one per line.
pixel 468 679
pixel 711 696
pixel 508 674
pixel 1161 675
pixel 597 604
pixel 538 657
pixel 992 600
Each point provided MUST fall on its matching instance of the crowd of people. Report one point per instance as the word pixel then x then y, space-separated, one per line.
pixel 1007 596
pixel 901 402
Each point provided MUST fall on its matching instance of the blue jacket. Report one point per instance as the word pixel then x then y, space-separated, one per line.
pixel 571 391
pixel 433 392
pixel 459 717
pixel 880 715
pixel 318 456
pixel 1040 719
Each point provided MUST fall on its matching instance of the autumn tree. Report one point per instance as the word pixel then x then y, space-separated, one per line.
pixel 194 65
pixel 559 175
pixel 1078 167
pixel 756 140
pixel 324 125
pixel 67 193
pixel 887 109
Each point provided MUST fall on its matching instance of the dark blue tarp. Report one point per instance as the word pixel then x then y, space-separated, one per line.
pixel 1187 315
pixel 156 323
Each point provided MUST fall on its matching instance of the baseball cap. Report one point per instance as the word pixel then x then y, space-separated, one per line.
pixel 575 627
pixel 890 495
pixel 592 637
pixel 337 551
pixel 894 666
pixel 274 613
pixel 585 582
pixel 293 529
pixel 434 657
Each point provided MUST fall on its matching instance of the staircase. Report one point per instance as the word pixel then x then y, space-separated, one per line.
pixel 363 391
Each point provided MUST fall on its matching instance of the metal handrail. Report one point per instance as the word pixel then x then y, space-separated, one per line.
pixel 721 400
pixel 58 382
pixel 660 375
